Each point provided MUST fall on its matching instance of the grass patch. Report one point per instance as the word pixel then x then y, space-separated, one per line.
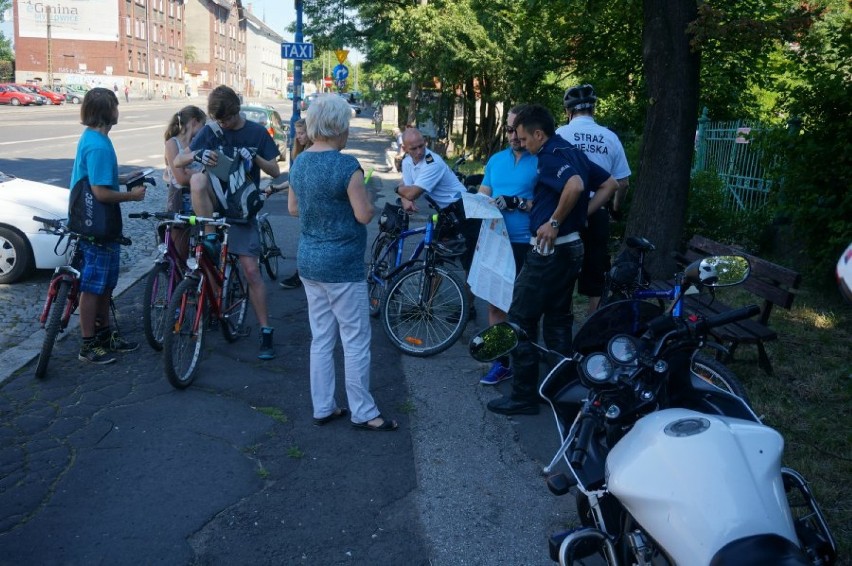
pixel 295 452
pixel 407 407
pixel 263 473
pixel 273 412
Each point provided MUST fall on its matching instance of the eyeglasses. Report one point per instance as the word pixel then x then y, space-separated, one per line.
pixel 510 130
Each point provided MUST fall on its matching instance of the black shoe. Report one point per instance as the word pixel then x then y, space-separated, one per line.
pixel 509 406
pixel 292 282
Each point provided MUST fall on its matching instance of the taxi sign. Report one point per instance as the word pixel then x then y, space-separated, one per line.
pixel 297 50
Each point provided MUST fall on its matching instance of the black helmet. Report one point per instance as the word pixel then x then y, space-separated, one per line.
pixel 580 97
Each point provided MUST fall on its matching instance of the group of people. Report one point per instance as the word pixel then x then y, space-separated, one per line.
pixel 552 195
pixel 327 192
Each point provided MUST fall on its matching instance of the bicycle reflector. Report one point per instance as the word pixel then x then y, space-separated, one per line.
pixel 413 340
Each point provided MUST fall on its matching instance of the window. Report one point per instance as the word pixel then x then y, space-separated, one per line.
pixel 128 26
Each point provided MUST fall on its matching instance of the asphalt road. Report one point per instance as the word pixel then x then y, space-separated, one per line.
pixel 110 465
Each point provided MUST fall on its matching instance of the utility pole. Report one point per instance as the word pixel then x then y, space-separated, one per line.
pixel 49 50
pixel 148 50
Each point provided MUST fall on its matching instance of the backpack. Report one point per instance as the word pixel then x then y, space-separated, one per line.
pixel 90 217
pixel 239 195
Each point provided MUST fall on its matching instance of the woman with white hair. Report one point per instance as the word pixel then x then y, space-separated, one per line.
pixel 328 194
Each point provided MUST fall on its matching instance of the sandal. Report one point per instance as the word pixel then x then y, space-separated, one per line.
pixel 336 414
pixel 386 426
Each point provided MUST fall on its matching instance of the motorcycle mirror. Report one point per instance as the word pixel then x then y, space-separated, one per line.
pixel 718 271
pixel 493 342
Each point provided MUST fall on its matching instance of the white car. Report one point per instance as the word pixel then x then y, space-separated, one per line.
pixel 22 246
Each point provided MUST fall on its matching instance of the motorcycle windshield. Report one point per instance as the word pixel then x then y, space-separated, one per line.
pixel 621 317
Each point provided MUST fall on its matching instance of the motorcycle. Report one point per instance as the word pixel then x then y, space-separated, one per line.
pixel 470 182
pixel 665 466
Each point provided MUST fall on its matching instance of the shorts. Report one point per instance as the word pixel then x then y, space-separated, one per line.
pixel 596 262
pixel 244 239
pixel 100 267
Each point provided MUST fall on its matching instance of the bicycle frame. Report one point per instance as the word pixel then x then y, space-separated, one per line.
pixel 212 280
pixel 62 273
pixel 399 243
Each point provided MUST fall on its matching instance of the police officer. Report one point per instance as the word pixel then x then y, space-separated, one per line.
pixel 602 147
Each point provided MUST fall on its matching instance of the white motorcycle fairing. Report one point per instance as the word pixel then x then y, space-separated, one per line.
pixel 696 482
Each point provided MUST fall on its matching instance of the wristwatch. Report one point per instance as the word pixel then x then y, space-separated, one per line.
pixel 554 223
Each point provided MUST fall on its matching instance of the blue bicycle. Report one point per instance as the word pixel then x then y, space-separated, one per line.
pixel 423 304
pixel 628 280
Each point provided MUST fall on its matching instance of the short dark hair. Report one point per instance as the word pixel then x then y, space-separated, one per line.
pixel 98 108
pixel 536 117
pixel 223 103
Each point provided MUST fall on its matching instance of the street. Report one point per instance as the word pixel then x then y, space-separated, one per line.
pixel 111 465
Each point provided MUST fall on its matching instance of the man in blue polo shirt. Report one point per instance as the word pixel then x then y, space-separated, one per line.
pixel 510 176
pixel 544 287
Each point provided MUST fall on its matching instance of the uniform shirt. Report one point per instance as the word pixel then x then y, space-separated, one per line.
pixel 506 177
pixel 433 176
pixel 558 161
pixel 599 144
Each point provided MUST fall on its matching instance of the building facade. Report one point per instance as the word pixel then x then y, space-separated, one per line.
pixel 155 48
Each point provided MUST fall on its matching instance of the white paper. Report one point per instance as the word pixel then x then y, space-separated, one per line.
pixel 492 272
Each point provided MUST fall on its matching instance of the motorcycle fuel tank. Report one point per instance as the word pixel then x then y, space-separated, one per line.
pixel 696 482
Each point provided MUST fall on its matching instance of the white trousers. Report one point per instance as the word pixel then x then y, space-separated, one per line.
pixel 340 308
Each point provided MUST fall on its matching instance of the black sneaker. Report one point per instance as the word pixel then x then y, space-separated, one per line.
pixel 292 282
pixel 118 344
pixel 267 349
pixel 95 354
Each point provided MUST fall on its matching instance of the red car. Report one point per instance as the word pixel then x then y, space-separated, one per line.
pixel 13 96
pixel 53 97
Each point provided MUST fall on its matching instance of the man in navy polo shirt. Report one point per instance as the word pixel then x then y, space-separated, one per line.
pixel 544 287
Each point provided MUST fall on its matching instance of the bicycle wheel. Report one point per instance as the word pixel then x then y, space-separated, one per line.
pixel 424 310
pixel 380 260
pixel 54 325
pixel 269 252
pixel 157 294
pixel 182 345
pixel 235 301
pixel 716 373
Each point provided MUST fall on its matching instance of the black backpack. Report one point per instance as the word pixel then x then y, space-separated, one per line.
pixel 90 217
pixel 239 194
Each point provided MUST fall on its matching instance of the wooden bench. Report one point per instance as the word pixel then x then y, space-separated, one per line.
pixel 775 284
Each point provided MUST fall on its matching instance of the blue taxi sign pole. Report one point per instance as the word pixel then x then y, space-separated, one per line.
pixel 297 78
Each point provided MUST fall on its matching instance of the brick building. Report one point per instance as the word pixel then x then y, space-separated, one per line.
pixel 155 47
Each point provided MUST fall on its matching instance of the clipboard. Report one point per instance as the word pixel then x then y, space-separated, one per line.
pixel 222 169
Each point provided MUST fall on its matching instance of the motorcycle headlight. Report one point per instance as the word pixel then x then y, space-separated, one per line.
pixel 623 349
pixel 192 263
pixel 597 368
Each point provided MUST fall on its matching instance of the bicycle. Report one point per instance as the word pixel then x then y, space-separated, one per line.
pixel 207 288
pixel 629 280
pixel 63 292
pixel 270 253
pixel 423 305
pixel 164 277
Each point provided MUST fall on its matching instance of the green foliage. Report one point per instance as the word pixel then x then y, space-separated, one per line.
pixel 711 213
pixel 814 165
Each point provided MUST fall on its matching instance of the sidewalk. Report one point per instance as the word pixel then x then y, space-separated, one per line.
pixel 110 464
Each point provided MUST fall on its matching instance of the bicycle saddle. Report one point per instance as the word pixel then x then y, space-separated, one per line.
pixel 637 243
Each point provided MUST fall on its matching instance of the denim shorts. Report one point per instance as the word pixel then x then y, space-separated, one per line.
pixel 100 267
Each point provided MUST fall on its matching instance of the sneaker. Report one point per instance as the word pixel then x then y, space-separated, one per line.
pixel 116 343
pixel 496 374
pixel 292 282
pixel 212 247
pixel 267 349
pixel 95 354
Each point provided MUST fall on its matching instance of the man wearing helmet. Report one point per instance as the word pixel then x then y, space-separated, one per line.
pixel 602 147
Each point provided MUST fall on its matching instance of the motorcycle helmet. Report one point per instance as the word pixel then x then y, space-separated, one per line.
pixel 707 273
pixel 580 97
pixel 844 274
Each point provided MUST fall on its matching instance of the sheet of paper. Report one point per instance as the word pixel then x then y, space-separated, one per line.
pixel 492 272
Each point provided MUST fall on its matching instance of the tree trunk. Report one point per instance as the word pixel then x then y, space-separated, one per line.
pixel 413 94
pixel 658 210
pixel 470 113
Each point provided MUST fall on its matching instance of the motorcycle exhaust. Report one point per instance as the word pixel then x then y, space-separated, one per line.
pixel 581 543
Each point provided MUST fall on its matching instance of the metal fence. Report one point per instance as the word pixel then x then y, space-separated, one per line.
pixel 725 147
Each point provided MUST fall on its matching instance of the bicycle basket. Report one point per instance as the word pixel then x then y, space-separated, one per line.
pixel 393 219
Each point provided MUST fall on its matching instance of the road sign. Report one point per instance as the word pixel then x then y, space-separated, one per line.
pixel 341 84
pixel 341 55
pixel 340 72
pixel 297 50
pixel 327 81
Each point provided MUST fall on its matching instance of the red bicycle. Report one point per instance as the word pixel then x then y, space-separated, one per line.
pixel 207 288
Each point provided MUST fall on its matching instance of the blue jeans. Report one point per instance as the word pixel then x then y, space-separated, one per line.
pixel 543 291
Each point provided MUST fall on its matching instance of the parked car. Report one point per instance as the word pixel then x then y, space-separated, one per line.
pixel 269 118
pixel 22 246
pixel 54 97
pixel 353 103
pixel 13 96
pixel 40 99
pixel 74 93
pixel 306 102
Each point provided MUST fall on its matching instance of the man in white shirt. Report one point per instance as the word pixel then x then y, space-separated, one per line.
pixel 603 148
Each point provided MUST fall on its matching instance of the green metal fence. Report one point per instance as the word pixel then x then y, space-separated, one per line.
pixel 725 147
